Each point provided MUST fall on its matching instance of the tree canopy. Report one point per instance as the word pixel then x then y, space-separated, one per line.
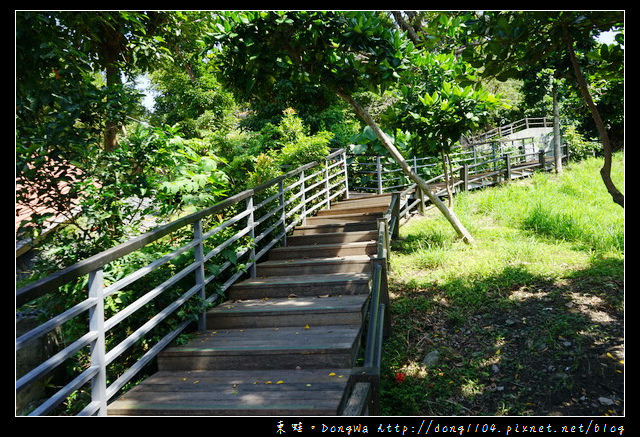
pixel 235 88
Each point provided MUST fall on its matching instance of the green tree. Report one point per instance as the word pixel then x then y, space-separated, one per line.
pixel 442 101
pixel 513 44
pixel 69 92
pixel 345 52
pixel 195 101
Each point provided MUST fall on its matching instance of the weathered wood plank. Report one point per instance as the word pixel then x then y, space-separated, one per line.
pixel 233 392
pixel 316 265
pixel 358 401
pixel 310 229
pixel 324 250
pixel 302 285
pixel 334 310
pixel 287 347
pixel 333 237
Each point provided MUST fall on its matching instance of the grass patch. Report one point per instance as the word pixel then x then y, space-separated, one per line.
pixel 528 321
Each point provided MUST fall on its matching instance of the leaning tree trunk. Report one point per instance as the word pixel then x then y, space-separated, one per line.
pixel 397 156
pixel 605 171
pixel 557 151
pixel 448 179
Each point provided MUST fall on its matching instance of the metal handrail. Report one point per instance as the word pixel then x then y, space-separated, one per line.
pixel 378 321
pixel 333 183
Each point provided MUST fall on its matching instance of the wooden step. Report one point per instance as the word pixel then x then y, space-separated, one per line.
pixel 309 266
pixel 364 202
pixel 353 209
pixel 331 237
pixel 283 343
pixel 301 311
pixel 354 195
pixel 343 218
pixel 324 250
pixel 303 392
pixel 310 229
pixel 288 347
pixel 301 285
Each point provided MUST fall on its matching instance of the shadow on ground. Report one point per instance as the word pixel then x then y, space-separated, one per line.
pixel 526 346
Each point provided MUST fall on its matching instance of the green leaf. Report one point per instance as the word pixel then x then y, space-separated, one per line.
pixel 358 149
pixel 369 133
pixel 426 100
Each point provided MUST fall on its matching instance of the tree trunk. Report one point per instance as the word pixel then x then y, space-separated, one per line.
pixel 447 177
pixel 391 148
pixel 110 51
pixel 557 151
pixel 605 171
pixel 111 124
pixel 406 27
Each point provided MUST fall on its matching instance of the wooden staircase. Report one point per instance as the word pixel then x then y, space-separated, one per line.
pixel 284 342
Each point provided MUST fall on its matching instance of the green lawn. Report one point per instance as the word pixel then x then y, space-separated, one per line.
pixel 528 321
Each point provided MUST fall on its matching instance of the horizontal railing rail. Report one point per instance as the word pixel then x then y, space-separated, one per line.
pixel 376 174
pixel 243 228
pixel 511 128
pixel 467 174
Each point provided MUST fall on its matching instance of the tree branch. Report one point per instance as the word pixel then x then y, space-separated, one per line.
pixel 605 171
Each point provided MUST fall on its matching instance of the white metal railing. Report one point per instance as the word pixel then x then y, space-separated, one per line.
pixel 470 168
pixel 263 215
pixel 511 128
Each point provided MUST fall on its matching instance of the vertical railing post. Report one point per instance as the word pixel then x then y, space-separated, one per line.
pixel 96 323
pixel 327 194
pixel 383 227
pixel 395 213
pixel 303 199
pixel 507 161
pixel 465 177
pixel 283 210
pixel 420 196
pixel 541 159
pixel 252 234
pixel 199 257
pixel 379 172
pixel 346 174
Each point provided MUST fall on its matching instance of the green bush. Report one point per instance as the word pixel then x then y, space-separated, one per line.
pixel 579 148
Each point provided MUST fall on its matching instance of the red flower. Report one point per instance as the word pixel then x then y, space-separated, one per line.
pixel 399 377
